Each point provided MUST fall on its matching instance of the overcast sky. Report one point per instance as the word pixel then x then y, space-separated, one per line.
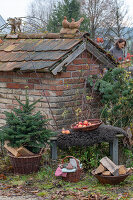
pixel 19 8
pixel 14 8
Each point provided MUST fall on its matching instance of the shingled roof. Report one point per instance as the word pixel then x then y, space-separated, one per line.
pixel 47 52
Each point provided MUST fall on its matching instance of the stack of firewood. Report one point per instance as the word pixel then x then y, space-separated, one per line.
pixel 108 168
pixel 17 152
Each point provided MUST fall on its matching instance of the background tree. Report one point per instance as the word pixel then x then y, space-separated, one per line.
pixel 70 9
pixel 121 22
pixel 108 19
pixel 48 15
pixel 103 18
pixel 38 15
pixel 99 12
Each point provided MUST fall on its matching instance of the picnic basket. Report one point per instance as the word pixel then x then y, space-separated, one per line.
pixel 72 176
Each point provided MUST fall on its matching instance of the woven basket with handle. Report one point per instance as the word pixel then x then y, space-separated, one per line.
pixel 72 176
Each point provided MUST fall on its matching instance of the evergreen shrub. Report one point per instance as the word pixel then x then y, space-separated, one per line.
pixel 25 128
pixel 116 90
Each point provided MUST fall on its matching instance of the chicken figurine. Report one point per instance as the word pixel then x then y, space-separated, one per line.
pixel 70 27
pixel 65 23
pixel 75 25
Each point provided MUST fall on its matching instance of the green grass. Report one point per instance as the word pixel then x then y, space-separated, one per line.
pixel 47 184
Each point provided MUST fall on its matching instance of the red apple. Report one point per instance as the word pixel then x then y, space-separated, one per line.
pixel 67 132
pixel 84 125
pixel 80 126
pixel 80 123
pixel 85 122
pixel 63 131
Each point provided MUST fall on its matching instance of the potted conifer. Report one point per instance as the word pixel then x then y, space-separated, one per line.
pixel 27 129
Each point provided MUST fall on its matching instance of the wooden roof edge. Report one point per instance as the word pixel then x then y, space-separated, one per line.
pixel 107 53
pixel 2 36
pixel 43 36
pixel 59 67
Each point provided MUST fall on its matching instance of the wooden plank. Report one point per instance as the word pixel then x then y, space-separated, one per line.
pixel 53 138
pixel 70 58
pixel 12 36
pixel 24 152
pixel 106 162
pixel 11 149
pixel 120 136
pixel 99 55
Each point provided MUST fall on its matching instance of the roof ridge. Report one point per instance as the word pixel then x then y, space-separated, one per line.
pixel 43 35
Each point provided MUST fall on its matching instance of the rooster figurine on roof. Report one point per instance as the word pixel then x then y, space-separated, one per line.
pixel 74 24
pixel 65 23
pixel 70 27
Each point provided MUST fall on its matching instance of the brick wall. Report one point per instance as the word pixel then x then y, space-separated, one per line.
pixel 62 95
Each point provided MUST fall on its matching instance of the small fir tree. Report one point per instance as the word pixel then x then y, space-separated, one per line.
pixel 25 128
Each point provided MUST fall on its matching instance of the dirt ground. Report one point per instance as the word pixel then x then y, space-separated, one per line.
pixel 18 198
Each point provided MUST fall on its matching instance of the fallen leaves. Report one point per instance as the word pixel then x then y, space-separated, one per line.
pixel 77 195
pixel 2 176
pixel 123 196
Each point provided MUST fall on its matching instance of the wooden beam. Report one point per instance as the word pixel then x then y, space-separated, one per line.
pixel 70 58
pixel 99 55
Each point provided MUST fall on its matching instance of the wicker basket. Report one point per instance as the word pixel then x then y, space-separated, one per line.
pixel 25 165
pixel 95 124
pixel 112 180
pixel 72 176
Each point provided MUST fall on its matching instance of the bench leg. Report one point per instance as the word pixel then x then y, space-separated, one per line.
pixel 114 150
pixel 54 150
pixel 111 149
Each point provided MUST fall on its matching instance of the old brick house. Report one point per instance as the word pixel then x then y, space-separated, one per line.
pixel 54 67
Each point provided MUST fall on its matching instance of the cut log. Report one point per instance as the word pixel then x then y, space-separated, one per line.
pixel 24 152
pixel 129 170
pixel 11 149
pixel 107 163
pixel 100 169
pixel 122 169
pixel 106 173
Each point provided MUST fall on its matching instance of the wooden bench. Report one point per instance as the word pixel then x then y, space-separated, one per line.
pixel 113 148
